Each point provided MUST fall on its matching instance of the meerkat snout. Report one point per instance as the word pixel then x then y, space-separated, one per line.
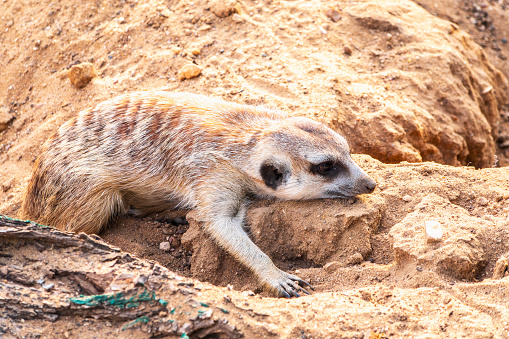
pixel 361 182
pixel 152 151
pixel 369 185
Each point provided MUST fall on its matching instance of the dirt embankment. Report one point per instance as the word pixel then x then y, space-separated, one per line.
pixel 374 270
pixel 398 82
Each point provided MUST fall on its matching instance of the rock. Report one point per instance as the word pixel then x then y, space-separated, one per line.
pixel 195 51
pixel 223 8
pixel 333 15
pixel 347 50
pixel 332 267
pixel 188 71
pixel 444 123
pixel 174 242
pixel 180 220
pixel 237 18
pixel 483 201
pixel 81 74
pixel 433 230
pixel 460 253
pixel 47 286
pixel 204 28
pixel 5 119
pixel 165 246
pixel 407 198
pixel 322 231
pixel 501 267
pixel 355 259
pixel 176 50
pixel 6 186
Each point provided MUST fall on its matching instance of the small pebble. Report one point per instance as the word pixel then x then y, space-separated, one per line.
pixel 6 186
pixel 141 280
pixel 333 15
pixel 222 8
pixel 174 242
pixel 264 55
pixel 501 267
pixel 237 18
pixel 332 266
pixel 81 74
pixel 434 231
pixel 407 198
pixel 355 259
pixel 322 30
pixel 419 268
pixel 176 50
pixel 5 119
pixel 195 51
pixel 164 246
pixel 204 28
pixel 180 220
pixel 483 201
pixel 347 50
pixel 188 71
pixel 47 286
pixel 504 40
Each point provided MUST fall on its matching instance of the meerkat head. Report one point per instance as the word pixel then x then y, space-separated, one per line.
pixel 302 159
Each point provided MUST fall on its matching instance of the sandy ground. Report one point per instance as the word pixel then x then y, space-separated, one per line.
pixel 420 87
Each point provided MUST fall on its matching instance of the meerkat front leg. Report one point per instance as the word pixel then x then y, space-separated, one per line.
pixel 222 207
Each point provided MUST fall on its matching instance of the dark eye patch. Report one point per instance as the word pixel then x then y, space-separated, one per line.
pixel 273 175
pixel 327 169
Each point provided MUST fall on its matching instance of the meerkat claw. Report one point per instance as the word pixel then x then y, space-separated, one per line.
pixel 305 283
pixel 285 294
pixel 301 283
pixel 290 286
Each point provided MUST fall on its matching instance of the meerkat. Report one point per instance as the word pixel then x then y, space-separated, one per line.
pixel 153 151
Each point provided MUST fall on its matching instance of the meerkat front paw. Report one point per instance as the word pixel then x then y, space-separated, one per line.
pixel 288 285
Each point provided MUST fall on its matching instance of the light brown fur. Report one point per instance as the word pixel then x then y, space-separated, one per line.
pixel 157 150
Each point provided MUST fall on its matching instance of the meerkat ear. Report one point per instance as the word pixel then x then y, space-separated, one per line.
pixel 272 174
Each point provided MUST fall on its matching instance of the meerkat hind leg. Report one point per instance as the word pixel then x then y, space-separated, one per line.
pixel 92 211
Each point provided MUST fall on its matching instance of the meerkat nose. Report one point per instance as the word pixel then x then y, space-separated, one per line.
pixel 370 185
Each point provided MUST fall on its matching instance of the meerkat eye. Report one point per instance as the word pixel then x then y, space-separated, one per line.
pixel 325 167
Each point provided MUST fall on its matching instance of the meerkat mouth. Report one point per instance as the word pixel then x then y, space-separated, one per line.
pixel 335 194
